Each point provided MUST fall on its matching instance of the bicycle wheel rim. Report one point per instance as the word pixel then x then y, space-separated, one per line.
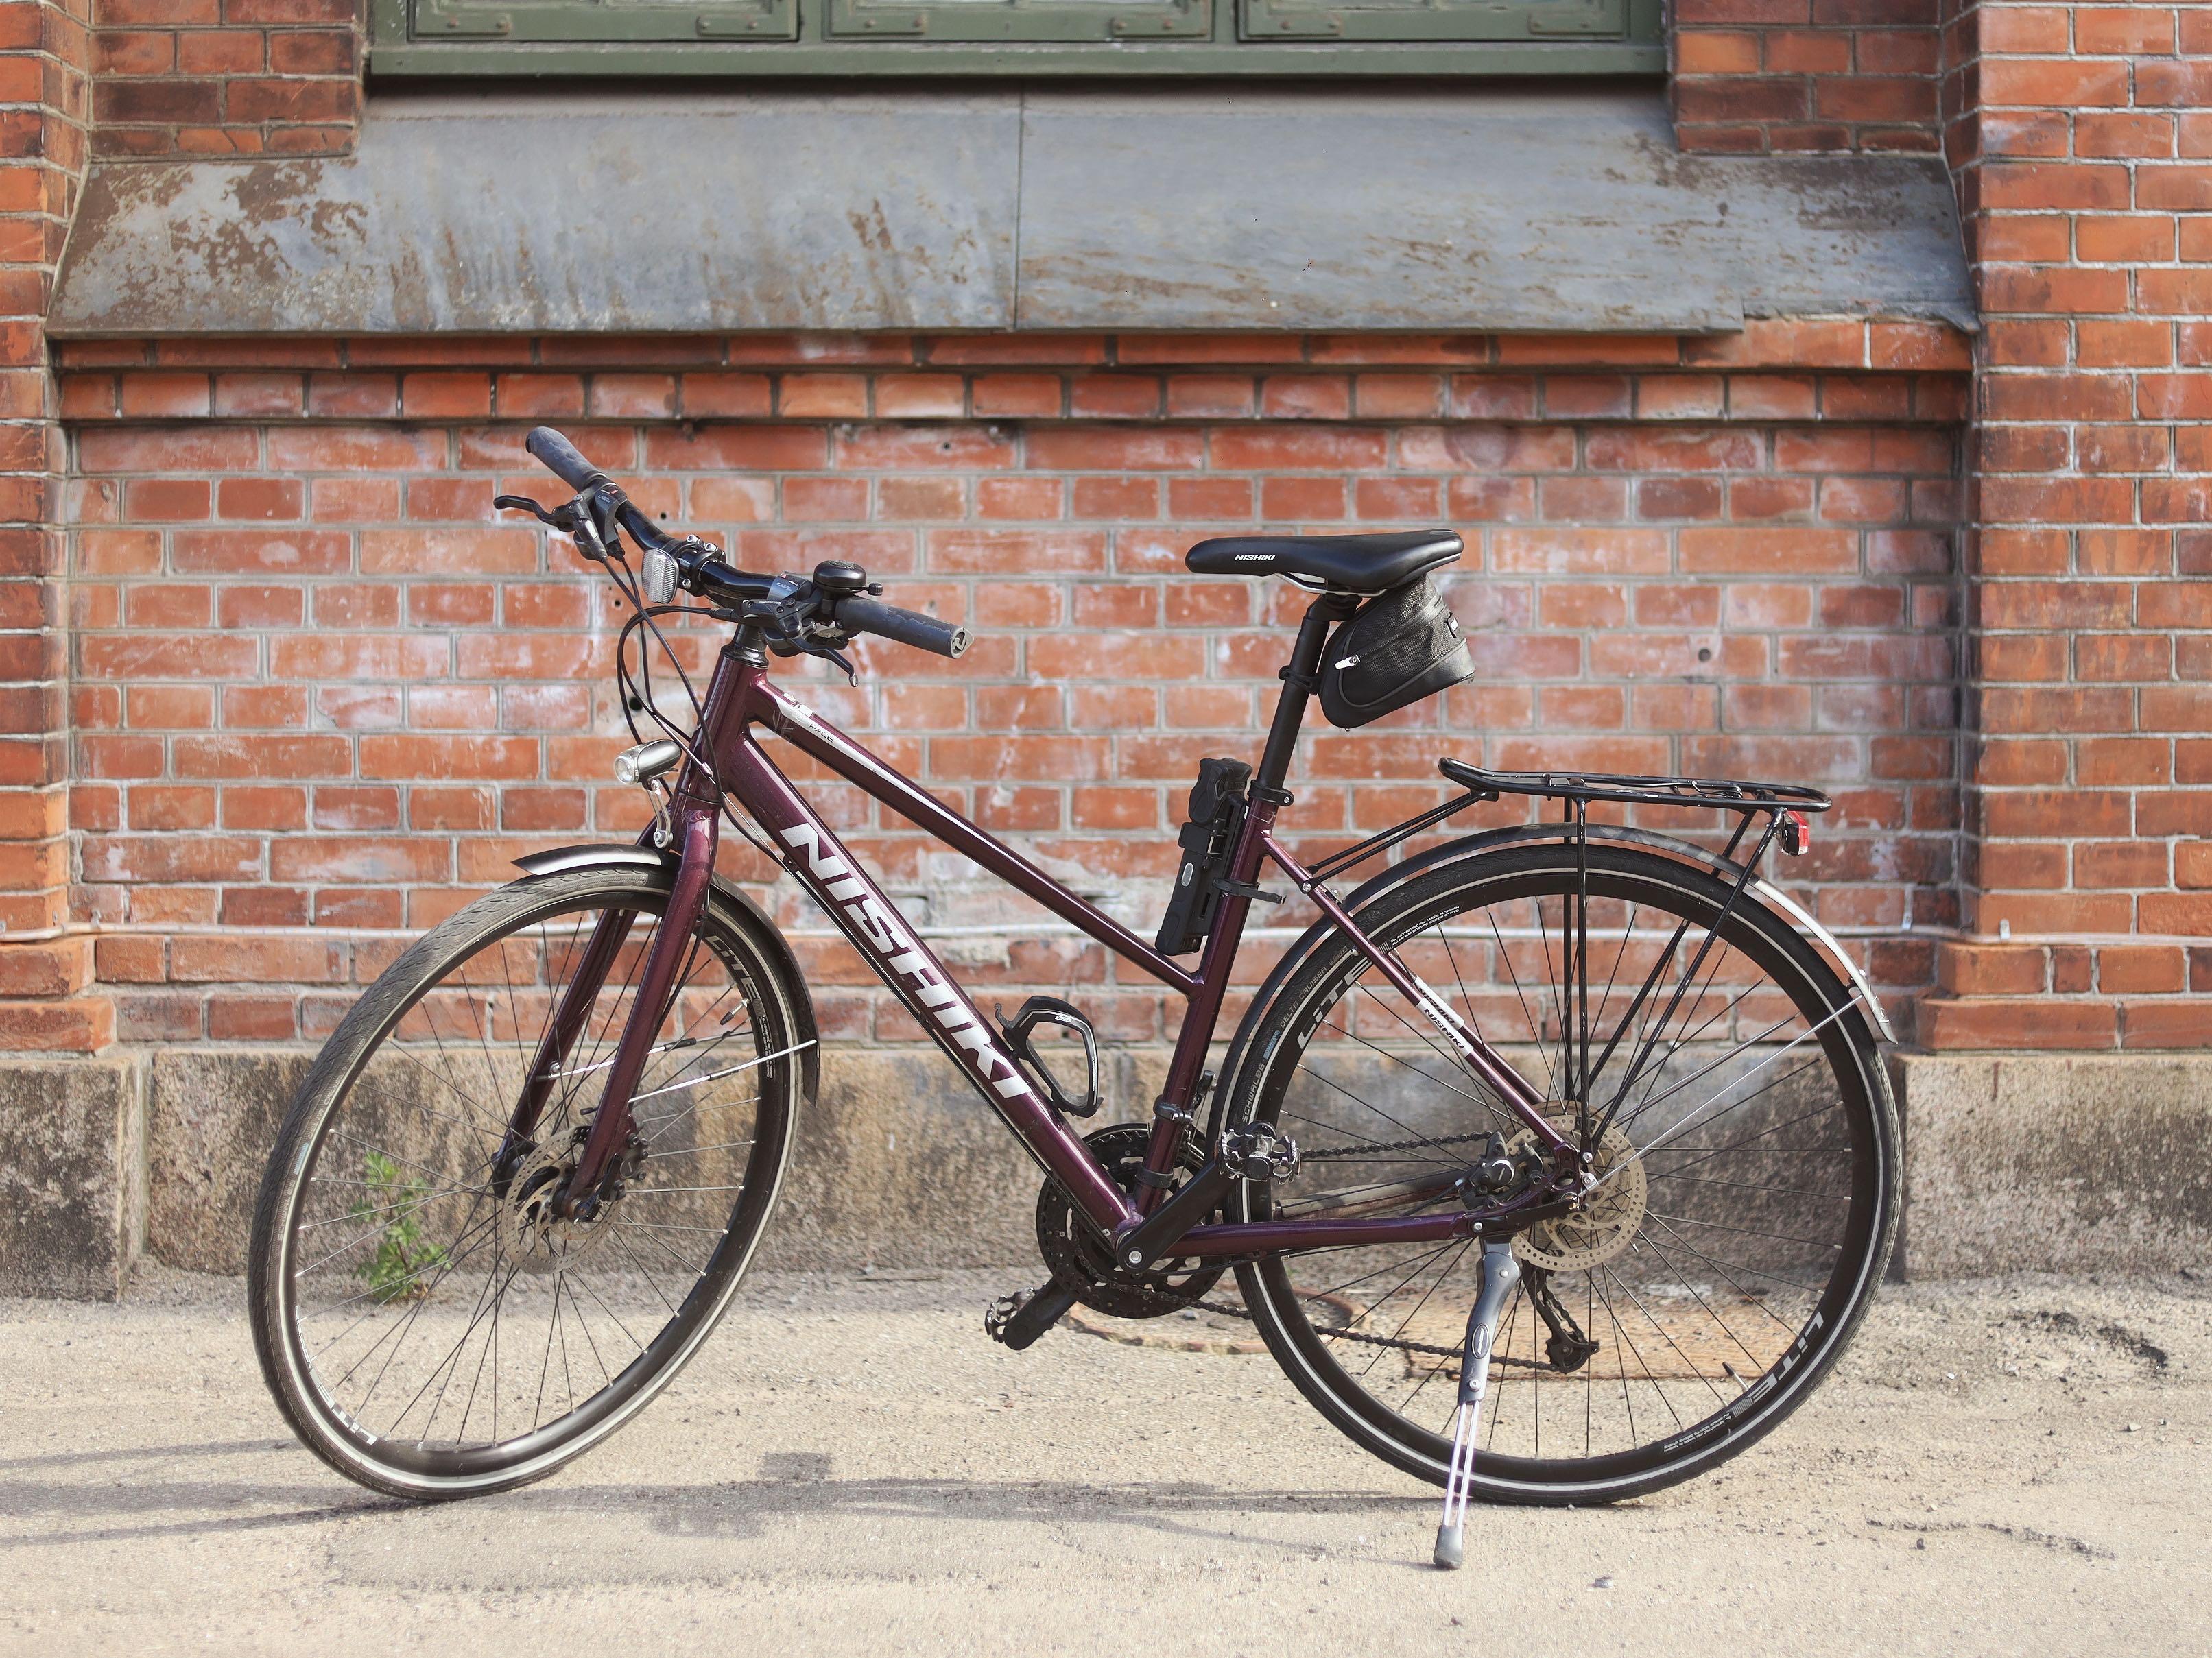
pixel 1314 1357
pixel 688 1311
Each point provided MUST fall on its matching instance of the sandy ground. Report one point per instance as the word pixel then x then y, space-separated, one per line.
pixel 2012 1466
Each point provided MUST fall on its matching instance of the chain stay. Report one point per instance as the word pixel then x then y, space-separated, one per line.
pixel 1392 1342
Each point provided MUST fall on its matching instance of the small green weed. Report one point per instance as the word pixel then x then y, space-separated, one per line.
pixel 403 1258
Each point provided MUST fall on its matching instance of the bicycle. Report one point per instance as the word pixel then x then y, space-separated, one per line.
pixel 564 1113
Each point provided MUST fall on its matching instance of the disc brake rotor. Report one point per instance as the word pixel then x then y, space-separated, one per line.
pixel 1611 1213
pixel 537 1237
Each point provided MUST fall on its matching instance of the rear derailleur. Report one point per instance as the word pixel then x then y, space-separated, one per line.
pixel 1501 1171
pixel 1567 1347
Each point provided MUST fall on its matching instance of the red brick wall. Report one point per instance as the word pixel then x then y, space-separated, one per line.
pixel 1756 76
pixel 249 591
pixel 44 53
pixel 221 77
pixel 2083 148
pixel 320 695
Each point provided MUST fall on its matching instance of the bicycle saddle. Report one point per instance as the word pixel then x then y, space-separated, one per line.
pixel 1355 564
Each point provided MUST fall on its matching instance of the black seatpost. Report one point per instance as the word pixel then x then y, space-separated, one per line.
pixel 1300 680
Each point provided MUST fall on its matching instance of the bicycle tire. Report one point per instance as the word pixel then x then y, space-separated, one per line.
pixel 1310 1354
pixel 779 1023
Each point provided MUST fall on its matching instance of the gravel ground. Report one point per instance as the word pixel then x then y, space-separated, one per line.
pixel 2016 1466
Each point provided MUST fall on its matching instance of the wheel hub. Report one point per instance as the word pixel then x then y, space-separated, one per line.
pixel 538 1233
pixel 1610 1213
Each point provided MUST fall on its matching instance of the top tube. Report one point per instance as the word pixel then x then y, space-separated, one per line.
pixel 812 735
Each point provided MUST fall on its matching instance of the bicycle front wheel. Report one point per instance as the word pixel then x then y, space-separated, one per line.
pixel 429 1327
pixel 1732 1095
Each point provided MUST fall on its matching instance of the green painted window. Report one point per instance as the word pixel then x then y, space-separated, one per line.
pixel 578 22
pixel 1169 38
pixel 1433 20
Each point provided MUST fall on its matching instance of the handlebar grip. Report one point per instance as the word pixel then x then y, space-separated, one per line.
pixel 562 459
pixel 924 633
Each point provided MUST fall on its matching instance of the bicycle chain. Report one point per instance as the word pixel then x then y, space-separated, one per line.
pixel 1338 1154
pixel 1395 1344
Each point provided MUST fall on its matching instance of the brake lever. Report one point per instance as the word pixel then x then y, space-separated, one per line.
pixel 562 518
pixel 578 527
pixel 831 654
pixel 586 534
pixel 786 624
pixel 800 644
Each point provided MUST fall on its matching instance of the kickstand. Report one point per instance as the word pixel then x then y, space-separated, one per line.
pixel 1500 1274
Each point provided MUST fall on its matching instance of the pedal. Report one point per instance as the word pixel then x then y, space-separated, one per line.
pixel 1051 1009
pixel 1017 1321
pixel 1260 1153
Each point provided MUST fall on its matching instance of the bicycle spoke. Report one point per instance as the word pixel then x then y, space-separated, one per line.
pixel 432 1310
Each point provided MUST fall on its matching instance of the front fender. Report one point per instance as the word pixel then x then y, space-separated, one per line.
pixel 556 860
pixel 1475 846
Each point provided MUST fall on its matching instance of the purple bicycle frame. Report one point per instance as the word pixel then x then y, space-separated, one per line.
pixel 741 696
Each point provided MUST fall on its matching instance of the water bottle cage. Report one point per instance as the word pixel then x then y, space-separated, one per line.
pixel 1051 1009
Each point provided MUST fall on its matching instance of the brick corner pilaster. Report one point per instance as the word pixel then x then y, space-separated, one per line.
pixel 47 1003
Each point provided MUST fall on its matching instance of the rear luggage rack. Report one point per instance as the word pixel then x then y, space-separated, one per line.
pixel 1785 803
pixel 1726 793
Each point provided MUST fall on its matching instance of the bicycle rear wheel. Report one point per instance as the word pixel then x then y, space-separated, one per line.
pixel 427 1327
pixel 1719 1273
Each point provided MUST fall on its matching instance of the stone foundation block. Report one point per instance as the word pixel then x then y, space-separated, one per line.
pixel 2057 1162
pixel 72 1175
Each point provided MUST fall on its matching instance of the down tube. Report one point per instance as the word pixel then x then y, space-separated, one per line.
pixel 917 978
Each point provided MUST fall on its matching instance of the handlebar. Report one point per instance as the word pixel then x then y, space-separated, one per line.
pixel 701 571
pixel 925 633
pixel 563 459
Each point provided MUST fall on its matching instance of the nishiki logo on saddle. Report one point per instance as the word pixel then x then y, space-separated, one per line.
pixel 889 937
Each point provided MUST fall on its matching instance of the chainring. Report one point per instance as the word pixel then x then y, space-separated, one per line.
pixel 1080 1259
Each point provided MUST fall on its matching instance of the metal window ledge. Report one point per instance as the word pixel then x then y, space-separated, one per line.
pixel 1497 208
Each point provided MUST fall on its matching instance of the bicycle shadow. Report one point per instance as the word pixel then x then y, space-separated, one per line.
pixel 183 1491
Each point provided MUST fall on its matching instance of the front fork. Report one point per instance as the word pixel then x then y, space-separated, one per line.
pixel 698 832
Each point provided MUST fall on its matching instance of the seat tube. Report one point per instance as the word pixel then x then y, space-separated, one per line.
pixel 1300 680
pixel 1202 1013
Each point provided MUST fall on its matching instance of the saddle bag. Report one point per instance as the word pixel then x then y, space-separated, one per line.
pixel 1398 647
pixel 1217 812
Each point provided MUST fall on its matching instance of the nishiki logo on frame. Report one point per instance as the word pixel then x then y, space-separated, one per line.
pixel 887 936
